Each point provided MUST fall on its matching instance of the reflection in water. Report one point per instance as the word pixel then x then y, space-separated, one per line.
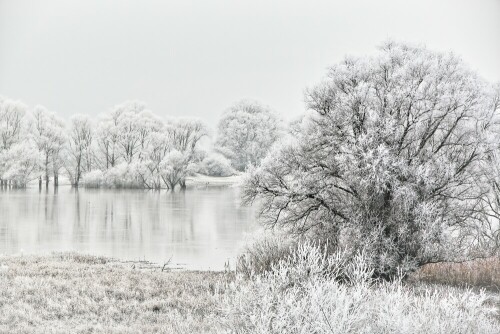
pixel 200 229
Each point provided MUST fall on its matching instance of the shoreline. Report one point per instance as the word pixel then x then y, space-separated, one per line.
pixel 197 181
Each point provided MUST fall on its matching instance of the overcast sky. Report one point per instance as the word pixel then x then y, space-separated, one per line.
pixel 195 58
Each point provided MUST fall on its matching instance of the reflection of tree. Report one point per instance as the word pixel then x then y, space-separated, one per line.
pixel 191 226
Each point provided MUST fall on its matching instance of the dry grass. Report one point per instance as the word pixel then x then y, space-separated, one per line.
pixel 263 253
pixel 72 293
pixel 481 273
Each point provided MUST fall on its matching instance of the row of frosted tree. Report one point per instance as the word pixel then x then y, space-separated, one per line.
pixel 129 146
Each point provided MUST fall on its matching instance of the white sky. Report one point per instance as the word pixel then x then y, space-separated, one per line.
pixel 195 58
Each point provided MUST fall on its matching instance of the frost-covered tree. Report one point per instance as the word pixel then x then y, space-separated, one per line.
pixel 174 169
pixel 11 121
pixel 184 135
pixel 128 125
pixel 157 149
pixel 391 159
pixel 12 115
pixel 23 162
pixel 245 133
pixel 48 132
pixel 107 138
pixel 78 153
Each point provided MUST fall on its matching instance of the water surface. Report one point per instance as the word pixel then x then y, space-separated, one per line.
pixel 197 228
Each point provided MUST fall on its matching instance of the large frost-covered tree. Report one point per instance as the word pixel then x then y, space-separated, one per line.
pixel 245 133
pixel 391 158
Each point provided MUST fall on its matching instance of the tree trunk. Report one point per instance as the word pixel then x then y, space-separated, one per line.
pixel 47 178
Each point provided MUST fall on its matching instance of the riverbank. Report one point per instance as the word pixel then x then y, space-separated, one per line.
pixel 73 293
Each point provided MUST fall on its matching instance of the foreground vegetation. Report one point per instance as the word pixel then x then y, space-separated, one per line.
pixel 307 292
pixel 69 293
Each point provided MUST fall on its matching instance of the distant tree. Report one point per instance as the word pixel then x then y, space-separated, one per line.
pixel 150 171
pixel 107 139
pixel 391 159
pixel 48 132
pixel 184 135
pixel 11 121
pixel 174 169
pixel 129 128
pixel 79 147
pixel 23 162
pixel 12 115
pixel 246 132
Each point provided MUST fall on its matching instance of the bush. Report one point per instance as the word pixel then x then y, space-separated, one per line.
pixel 265 252
pixel 216 165
pixel 301 294
pixel 122 175
pixel 93 179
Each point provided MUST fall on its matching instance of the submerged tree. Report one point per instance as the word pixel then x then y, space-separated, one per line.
pixel 48 132
pixel 391 159
pixel 23 162
pixel 184 135
pixel 246 132
pixel 78 153
pixel 12 114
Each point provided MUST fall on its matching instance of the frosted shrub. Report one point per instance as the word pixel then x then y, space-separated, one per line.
pixel 303 294
pixel 216 165
pixel 123 175
pixel 264 252
pixel 93 179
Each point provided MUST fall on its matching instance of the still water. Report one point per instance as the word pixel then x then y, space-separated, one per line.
pixel 197 228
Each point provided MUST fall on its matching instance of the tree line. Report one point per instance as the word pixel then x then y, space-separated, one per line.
pixel 129 146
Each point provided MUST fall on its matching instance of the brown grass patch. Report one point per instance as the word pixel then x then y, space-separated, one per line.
pixel 482 273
